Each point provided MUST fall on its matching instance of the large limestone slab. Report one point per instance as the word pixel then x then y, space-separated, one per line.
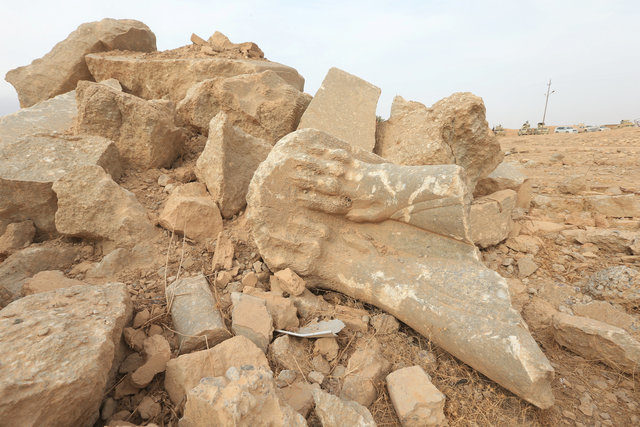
pixel 59 70
pixel 396 237
pixel 344 106
pixel 163 74
pixel 490 217
pixel 58 349
pixel 453 131
pixel 143 131
pixel 228 162
pixel 29 166
pixel 261 104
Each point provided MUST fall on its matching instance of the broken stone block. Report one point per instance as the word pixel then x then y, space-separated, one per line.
pixel 223 255
pixel 157 353
pixel 344 106
pixel 321 365
pixel 263 104
pixel 191 211
pixel 282 310
pixel 572 185
pixel 290 282
pixel 620 241
pixel 335 412
pixel 385 324
pixel 67 340
pixel 25 263
pixel 244 396
pixel 316 377
pixel 170 74
pixel 16 236
pixel 605 312
pixel 366 366
pixel 328 347
pixel 525 244
pixel 526 266
pixel 59 70
pixel 251 318
pixel 354 318
pixel 399 248
pixel 143 131
pixel 416 400
pixel 93 206
pixel 221 43
pixel 46 281
pixel 619 284
pixel 29 167
pixel 401 106
pixel 599 341
pixel 195 315
pixel 507 176
pixel 228 162
pixel 490 218
pixel 184 372
pixel 453 131
pixel 627 205
pixel 290 353
pixel 299 396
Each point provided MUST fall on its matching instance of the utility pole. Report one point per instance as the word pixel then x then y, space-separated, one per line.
pixel 546 102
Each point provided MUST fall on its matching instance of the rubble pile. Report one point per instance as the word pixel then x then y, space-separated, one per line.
pixel 187 238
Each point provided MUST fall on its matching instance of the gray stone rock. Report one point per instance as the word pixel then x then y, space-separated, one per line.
pixel 619 284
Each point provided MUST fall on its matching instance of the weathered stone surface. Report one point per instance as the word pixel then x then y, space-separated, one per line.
pixel 49 280
pixel 263 104
pixel 621 241
pixel 290 282
pixel 93 206
pixel 184 372
pixel 366 366
pixel 221 43
pixel 192 212
pixel 327 347
pixel 490 218
pixel 58 349
pixel 335 412
pixel 526 266
pixel 605 312
pixel 29 261
pixel 59 70
pixel 16 236
pixel 290 353
pixel 53 115
pixel 385 324
pixel 282 310
pixel 416 400
pixel 453 131
pixel 143 131
pixel 251 318
pixel 345 107
pixel 223 255
pixel 395 237
pixel 401 106
pixel 627 205
pixel 157 353
pixel 29 166
pixel 619 284
pixel 160 75
pixel 245 396
pixel 507 176
pixel 299 396
pixel 228 162
pixel 574 184
pixel 597 341
pixel 195 315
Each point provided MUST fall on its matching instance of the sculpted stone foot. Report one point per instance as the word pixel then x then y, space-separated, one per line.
pixel 396 237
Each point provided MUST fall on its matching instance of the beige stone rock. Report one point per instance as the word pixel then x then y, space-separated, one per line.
pixel 366 367
pixel 195 316
pixel 490 217
pixel 228 162
pixel 184 372
pixel 251 319
pixel 402 106
pixel 262 104
pixel 507 176
pixel 533 227
pixel 29 166
pixel 453 130
pixel 290 353
pixel 223 255
pixel 345 107
pixel 621 241
pixel 416 400
pixel 59 70
pixel 572 185
pixel 597 341
pixel 385 324
pixel 46 281
pixel 221 43
pixel 157 353
pixel 353 318
pixel 290 282
pixel 25 263
pixel 58 350
pixel 525 244
pixel 335 412
pixel 526 266
pixel 399 247
pixel 605 312
pixel 192 212
pixel 244 396
pixel 163 75
pixel 299 396
pixel 143 131
pixel 328 347
pixel 282 310
pixel 627 205
pixel 93 206
pixel 148 408
pixel 619 284
pixel 16 236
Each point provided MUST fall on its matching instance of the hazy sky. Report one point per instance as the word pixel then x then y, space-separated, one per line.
pixel 503 51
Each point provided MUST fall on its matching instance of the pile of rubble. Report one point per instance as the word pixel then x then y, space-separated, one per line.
pixel 176 227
